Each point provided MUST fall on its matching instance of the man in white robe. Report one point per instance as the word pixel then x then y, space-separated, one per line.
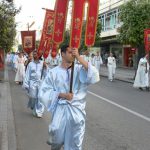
pixel 68 109
pixel 111 64
pixel 32 83
pixel 98 61
pixel 8 58
pixel 20 68
pixel 142 75
pixel 15 60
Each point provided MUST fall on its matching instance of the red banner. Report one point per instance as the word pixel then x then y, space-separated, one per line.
pixel 1 59
pixel 147 39
pixel 91 24
pixel 28 40
pixel 77 20
pixel 47 47
pixel 61 9
pixel 47 33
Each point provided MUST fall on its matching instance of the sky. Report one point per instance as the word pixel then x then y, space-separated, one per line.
pixel 31 10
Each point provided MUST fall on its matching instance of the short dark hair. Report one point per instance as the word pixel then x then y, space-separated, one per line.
pixel 64 48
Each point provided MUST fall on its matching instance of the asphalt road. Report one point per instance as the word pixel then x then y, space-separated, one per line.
pixel 118 118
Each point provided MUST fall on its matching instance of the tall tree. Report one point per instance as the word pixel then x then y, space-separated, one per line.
pixel 66 38
pixel 135 15
pixel 98 33
pixel 7 24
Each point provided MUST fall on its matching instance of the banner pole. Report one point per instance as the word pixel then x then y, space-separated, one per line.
pixel 42 69
pixel 71 80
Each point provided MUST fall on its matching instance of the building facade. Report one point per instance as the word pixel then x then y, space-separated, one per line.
pixel 109 17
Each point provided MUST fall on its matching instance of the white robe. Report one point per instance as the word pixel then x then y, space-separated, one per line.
pixel 68 118
pixel 19 64
pixel 15 61
pixel 32 83
pixel 8 58
pixel 111 64
pixel 97 62
pixel 142 77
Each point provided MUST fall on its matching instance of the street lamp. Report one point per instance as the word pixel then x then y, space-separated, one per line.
pixel 29 26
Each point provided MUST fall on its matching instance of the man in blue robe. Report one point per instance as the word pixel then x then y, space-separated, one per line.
pixel 32 82
pixel 68 109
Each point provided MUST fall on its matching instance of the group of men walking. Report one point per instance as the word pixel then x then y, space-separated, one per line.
pixel 47 84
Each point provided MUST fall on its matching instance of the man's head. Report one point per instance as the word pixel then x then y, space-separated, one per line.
pixel 66 54
pixel 20 54
pixel 35 55
pixel 97 53
pixel 111 54
pixel 30 56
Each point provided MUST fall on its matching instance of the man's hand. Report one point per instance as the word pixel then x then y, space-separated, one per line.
pixel 67 96
pixel 75 53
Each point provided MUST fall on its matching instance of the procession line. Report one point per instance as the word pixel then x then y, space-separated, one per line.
pixel 119 106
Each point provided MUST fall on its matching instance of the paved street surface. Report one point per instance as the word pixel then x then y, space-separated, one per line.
pixel 118 118
pixel 122 74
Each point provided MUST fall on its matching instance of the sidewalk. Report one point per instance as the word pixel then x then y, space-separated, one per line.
pixel 7 128
pixel 122 74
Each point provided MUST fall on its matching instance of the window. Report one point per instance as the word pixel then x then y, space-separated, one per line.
pixel 110 20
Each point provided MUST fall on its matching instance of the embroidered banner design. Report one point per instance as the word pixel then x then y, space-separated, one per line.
pixel 61 9
pixel 77 20
pixel 47 33
pixel 28 40
pixel 91 24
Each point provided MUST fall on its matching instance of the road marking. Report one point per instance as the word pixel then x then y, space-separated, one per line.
pixel 119 106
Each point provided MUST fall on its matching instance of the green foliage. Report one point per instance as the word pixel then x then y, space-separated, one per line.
pixel 135 15
pixel 7 25
pixel 66 38
pixel 98 33
pixel 37 43
pixel 20 48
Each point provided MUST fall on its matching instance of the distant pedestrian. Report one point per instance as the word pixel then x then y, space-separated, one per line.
pixel 15 61
pixel 20 68
pixel 98 61
pixel 111 64
pixel 8 58
pixel 106 58
pixel 142 75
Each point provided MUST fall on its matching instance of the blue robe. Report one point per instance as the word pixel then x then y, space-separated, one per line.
pixel 32 82
pixel 68 118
